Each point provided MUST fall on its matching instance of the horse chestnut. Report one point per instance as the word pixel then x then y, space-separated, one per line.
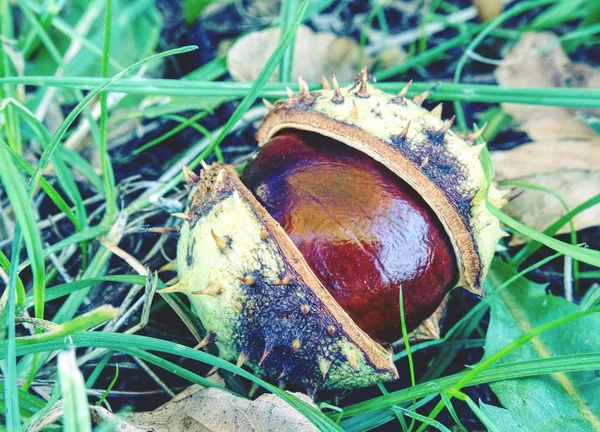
pixel 354 194
pixel 362 230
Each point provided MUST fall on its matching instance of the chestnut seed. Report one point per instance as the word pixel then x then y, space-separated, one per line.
pixel 363 231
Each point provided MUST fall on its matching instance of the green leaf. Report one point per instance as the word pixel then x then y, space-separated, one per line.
pixel 560 401
pixel 501 416
pixel 193 8
pixel 136 28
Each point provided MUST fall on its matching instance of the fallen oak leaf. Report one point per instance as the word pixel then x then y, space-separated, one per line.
pixel 314 54
pixel 538 60
pixel 540 157
pixel 564 154
pixel 213 409
pixel 540 209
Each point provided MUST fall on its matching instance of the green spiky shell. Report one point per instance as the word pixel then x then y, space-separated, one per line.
pixel 252 288
pixel 255 293
pixel 417 145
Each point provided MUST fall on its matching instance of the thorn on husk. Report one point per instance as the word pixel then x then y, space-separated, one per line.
pixel 354 112
pixel 285 280
pixel 473 137
pixel 291 95
pixel 223 242
pixel 305 309
pixel 404 132
pixel 364 81
pixel 286 370
pixel 437 111
pixel 265 354
pixel 184 216
pixel 253 388
pixel 337 94
pixel 420 98
pixel 269 345
pixel 296 344
pixel 324 366
pixel 268 104
pixel 181 287
pixel 248 280
pixel 213 289
pixel 325 83
pixel 190 177
pixel 515 195
pixel 400 97
pixel 304 90
pixel 212 371
pixel 174 231
pixel 447 125
pixel 473 195
pixel 241 360
pixel 208 339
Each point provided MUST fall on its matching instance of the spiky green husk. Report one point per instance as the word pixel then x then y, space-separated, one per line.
pixel 252 288
pixel 418 146
pixel 255 293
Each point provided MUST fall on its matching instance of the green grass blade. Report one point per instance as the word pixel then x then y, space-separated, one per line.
pixel 52 193
pixel 13 183
pixel 43 162
pixel 529 368
pixel 516 10
pixel 58 291
pixel 511 347
pixel 127 343
pixel 452 411
pixel 107 169
pixel 110 386
pixel 533 246
pixel 260 81
pixel 588 256
pixel 426 421
pixel 552 96
pixel 118 342
pixel 78 324
pixel 13 132
pixel 182 125
pixel 11 396
pixel 286 15
pixel 5 264
pixel 89 233
pixel 76 415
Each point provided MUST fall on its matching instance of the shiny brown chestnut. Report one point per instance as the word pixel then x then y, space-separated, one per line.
pixel 362 230
pixel 295 269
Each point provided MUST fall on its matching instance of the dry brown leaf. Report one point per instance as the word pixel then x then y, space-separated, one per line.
pixel 314 54
pixel 488 9
pixel 540 209
pixel 212 409
pixel 564 154
pixel 538 60
pixel 544 157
